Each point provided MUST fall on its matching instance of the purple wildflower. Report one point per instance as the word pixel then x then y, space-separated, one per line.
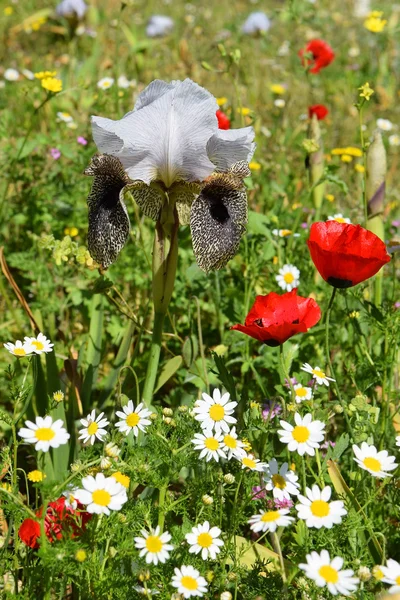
pixel 304 225
pixel 397 304
pixel 284 503
pixel 55 153
pixel 271 410
pixel 396 223
pixel 258 492
pixel 293 380
pixel 81 140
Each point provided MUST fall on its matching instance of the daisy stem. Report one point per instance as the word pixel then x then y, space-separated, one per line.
pixel 161 511
pixel 317 456
pixel 277 547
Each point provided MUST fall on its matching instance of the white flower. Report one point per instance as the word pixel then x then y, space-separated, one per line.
pixel 302 393
pixel 398 441
pixel 317 374
pixel 11 75
pixel 70 500
pixel 391 575
pixel 154 546
pixel 206 540
pixel 270 520
pixel 19 348
pixel 93 428
pixel 123 82
pixel 28 74
pixel 71 8
pixel 394 140
pixel 215 412
pixel 101 494
pixel 39 344
pixel 189 582
pixel 384 124
pixel 105 83
pixel 232 445
pixel 376 463
pixel 172 134
pixel 326 572
pixel 279 103
pixel 210 444
pixel 44 433
pixel 288 277
pixel 256 22
pixel 304 437
pixel 64 116
pixel 282 482
pixel 317 511
pixel 284 233
pixel 159 25
pixel 339 218
pixel 133 418
pixel 250 462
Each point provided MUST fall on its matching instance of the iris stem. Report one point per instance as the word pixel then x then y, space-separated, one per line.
pixel 154 358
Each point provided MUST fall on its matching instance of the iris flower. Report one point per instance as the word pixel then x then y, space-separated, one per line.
pixel 169 154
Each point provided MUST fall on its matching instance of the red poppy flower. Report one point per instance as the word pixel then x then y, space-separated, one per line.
pixel 59 518
pixel 319 110
pixel 322 55
pixel 345 254
pixel 275 318
pixel 223 121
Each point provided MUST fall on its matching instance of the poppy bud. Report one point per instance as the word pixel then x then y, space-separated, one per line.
pixel 376 173
pixel 316 163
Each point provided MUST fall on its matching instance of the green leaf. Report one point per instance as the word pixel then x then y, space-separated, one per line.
pixel 226 378
pixel 258 224
pixel 249 553
pixel 190 350
pixel 119 362
pixel 93 352
pixel 168 370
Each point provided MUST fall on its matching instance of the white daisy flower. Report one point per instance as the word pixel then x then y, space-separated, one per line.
pixel 339 218
pixel 270 520
pixel 398 440
pixel 123 82
pixel 319 375
pixel 206 540
pixel 288 277
pixel 159 25
pixel 65 117
pixel 376 463
pixel 232 445
pixel 70 500
pixel 284 233
pixel 19 348
pixel 302 393
pixel 327 573
pixel 105 83
pixel 317 511
pixel 101 494
pixel 279 103
pixel 256 22
pixel 28 74
pixel 304 436
pixel 394 140
pixel 133 418
pixel 93 428
pixel 282 482
pixel 39 344
pixel 211 445
pixel 189 582
pixel 391 575
pixel 384 124
pixel 11 75
pixel 215 412
pixel 153 546
pixel 250 462
pixel 44 433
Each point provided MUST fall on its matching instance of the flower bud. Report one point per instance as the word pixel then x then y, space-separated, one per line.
pixel 76 466
pixel 232 576
pixel 210 576
pixel 376 174
pixel 364 574
pixel 229 478
pixel 315 162
pixel 153 416
pixel 183 409
pixel 105 463
pixel 207 500
pixel 167 412
pixel 337 409
pixel 226 596
pixel 144 575
pixel 112 450
pixel 167 420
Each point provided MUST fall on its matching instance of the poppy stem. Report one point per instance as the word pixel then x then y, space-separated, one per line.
pixel 285 377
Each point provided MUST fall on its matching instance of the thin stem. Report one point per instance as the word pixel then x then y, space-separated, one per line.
pixel 161 510
pixel 277 547
pixel 364 184
pixel 154 358
pixel 286 377
pixel 201 345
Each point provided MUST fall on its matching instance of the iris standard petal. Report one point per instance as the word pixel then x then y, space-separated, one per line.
pixel 228 147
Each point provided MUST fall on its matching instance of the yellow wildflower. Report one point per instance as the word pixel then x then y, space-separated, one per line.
pixel 355 314
pixel 58 396
pixel 36 25
pixel 71 231
pixel 275 260
pixel 222 100
pixel 8 11
pixel 374 22
pixel 330 197
pixel 45 74
pixel 254 166
pixel 246 445
pixel 36 476
pixel 351 150
pixel 346 158
pixel 52 85
pixel 366 91
pixel 121 478
pixel 338 151
pixel 296 205
pixel 244 111
pixel 359 168
pixel 80 555
pixel 277 88
pixel 377 572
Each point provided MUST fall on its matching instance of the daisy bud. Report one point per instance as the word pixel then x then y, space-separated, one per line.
pixel 167 412
pixel 153 416
pixel 76 466
pixel 226 596
pixel 112 450
pixel 167 420
pixel 121 518
pixel 232 576
pixel 337 409
pixel 364 574
pixel 229 478
pixel 207 500
pixel 183 409
pixel 210 576
pixel 105 463
pixel 112 551
pixel 144 575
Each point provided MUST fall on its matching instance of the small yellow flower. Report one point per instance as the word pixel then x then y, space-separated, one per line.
pixel 351 150
pixel 246 445
pixel 275 260
pixel 71 231
pixel 366 91
pixel 80 555
pixel 296 205
pixel 254 166
pixel 36 476
pixel 244 111
pixel 330 197
pixel 277 88
pixel 377 572
pixel 338 151
pixel 36 25
pixel 355 314
pixel 45 74
pixel 359 168
pixel 346 158
pixel 8 11
pixel 374 22
pixel 292 467
pixel 58 396
pixel 254 404
pixel 221 101
pixel 52 85
pixel 122 479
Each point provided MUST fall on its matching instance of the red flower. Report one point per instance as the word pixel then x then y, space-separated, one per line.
pixel 345 254
pixel 59 519
pixel 319 110
pixel 322 55
pixel 223 121
pixel 275 318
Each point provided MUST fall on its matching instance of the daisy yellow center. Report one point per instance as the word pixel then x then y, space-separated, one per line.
pixel 230 441
pixel 319 508
pixel 217 412
pixel 288 277
pixel 249 462
pixel 133 419
pixel 44 434
pixel 372 464
pixel 38 345
pixel 92 429
pixel 397 580
pixel 154 544
pixel 300 434
pixel 106 84
pixel 189 583
pixel 204 540
pixel 279 481
pixel 211 443
pixel 339 220
pixel 272 515
pixel 318 373
pixel 285 232
pixel 329 574
pixel 101 497
pixel 19 352
pixel 122 479
pixel 301 392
